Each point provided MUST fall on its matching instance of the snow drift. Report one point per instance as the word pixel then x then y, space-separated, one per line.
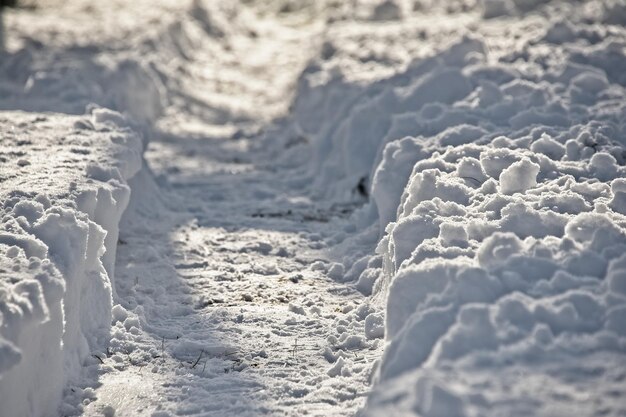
pixel 64 191
pixel 488 138
pixel 495 171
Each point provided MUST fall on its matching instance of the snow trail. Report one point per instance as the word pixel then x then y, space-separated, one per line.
pixel 226 307
pixel 488 137
pixel 234 320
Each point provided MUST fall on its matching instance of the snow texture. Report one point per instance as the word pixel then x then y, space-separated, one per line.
pixel 63 193
pixel 444 180
pixel 495 174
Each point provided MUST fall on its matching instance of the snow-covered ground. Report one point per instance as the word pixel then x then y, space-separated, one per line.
pixel 64 189
pixel 497 176
pixel 364 207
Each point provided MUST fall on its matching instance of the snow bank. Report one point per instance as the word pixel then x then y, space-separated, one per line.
pixel 495 170
pixel 65 178
pixel 128 85
pixel 482 279
pixel 63 193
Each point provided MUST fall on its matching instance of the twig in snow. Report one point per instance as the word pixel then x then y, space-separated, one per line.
pixel 99 358
pixel 295 348
pixel 198 360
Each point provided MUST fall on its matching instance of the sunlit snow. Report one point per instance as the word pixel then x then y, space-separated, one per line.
pixel 328 208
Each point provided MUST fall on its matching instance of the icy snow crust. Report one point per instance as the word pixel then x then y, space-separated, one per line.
pixel 497 176
pixel 63 193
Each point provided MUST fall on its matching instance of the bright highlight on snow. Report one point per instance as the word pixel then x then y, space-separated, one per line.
pixel 289 208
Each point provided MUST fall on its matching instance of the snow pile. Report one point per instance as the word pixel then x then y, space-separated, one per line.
pixel 497 173
pixel 63 193
pixel 520 271
pixel 127 85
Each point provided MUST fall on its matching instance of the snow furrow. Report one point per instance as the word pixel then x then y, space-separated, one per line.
pixel 374 207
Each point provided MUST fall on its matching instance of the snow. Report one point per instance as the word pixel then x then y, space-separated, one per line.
pixel 379 207
pixel 58 239
pixel 496 168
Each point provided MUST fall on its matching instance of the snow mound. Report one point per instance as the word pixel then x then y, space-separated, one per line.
pixel 494 170
pixel 64 191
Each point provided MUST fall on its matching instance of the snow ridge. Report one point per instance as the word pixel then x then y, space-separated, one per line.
pixel 62 203
pixel 495 170
pixel 65 186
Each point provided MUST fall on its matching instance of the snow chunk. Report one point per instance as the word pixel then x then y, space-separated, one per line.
pixel 583 226
pixel 336 271
pixel 549 147
pixel 374 326
pixel 519 177
pixel 296 309
pixel 497 249
pixel 336 369
pixel 618 202
pixel 604 166
pixel 119 313
pixel 452 234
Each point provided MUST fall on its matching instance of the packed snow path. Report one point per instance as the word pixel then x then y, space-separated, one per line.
pixel 225 304
pixel 236 321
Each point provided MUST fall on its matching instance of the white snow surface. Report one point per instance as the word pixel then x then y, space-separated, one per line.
pixel 496 163
pixel 64 189
pixel 381 208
